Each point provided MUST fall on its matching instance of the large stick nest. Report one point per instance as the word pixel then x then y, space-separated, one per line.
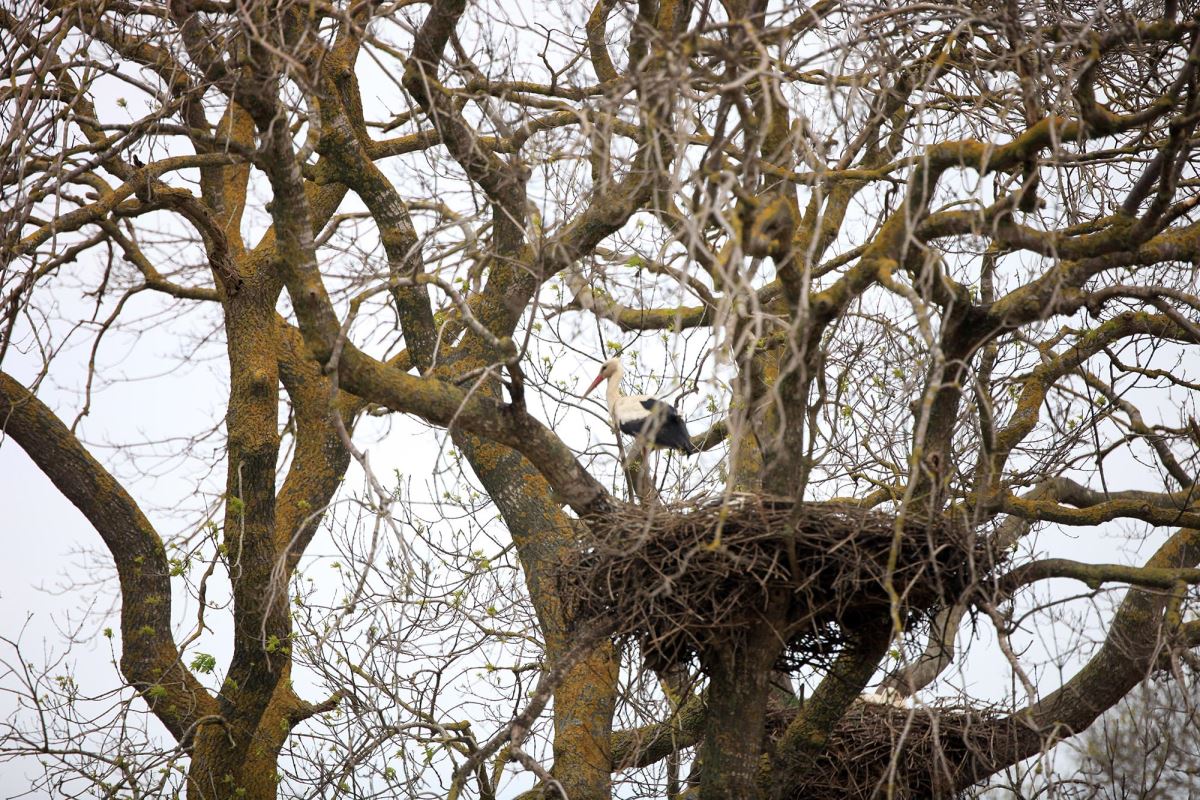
pixel 879 751
pixel 679 577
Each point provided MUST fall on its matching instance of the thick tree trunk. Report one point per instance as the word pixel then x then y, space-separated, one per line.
pixel 221 770
pixel 227 765
pixel 739 686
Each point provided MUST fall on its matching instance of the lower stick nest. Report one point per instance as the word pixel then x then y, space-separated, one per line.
pixel 906 754
pixel 678 577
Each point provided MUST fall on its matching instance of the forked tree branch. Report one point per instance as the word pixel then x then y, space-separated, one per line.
pixel 149 659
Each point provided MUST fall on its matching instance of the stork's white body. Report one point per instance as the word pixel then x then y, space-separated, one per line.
pixel 885 697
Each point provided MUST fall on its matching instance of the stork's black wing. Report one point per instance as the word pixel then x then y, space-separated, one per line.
pixel 671 429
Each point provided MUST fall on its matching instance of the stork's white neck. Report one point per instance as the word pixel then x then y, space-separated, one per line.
pixel 613 390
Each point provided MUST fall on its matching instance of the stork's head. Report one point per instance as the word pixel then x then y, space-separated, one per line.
pixel 609 368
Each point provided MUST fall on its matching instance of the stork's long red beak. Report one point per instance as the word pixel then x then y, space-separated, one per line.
pixel 595 383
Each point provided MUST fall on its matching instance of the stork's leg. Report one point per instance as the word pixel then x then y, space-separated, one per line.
pixel 635 477
pixel 639 469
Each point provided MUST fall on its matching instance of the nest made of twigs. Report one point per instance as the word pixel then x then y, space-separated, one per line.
pixel 882 751
pixel 679 576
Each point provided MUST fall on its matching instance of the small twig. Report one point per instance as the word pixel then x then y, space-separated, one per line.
pixel 516 387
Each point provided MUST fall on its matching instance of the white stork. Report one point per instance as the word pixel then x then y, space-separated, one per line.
pixel 641 414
